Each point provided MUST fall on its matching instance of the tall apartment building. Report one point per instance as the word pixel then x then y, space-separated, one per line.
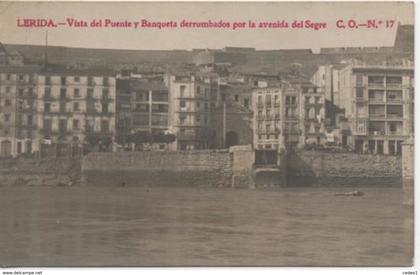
pixel 149 105
pixel 288 115
pixel 379 104
pixel 18 86
pixel 313 106
pixel 269 116
pixel 190 102
pixel 75 107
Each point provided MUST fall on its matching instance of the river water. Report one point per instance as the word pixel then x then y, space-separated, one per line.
pixel 139 226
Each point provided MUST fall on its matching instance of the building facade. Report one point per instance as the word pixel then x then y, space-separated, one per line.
pixel 75 108
pixel 190 102
pixel 54 113
pixel 18 86
pixel 379 105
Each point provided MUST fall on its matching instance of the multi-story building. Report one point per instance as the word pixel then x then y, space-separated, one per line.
pixel 75 107
pixel 269 115
pixel 312 113
pixel 190 102
pixel 379 105
pixel 288 115
pixel 149 105
pixel 18 86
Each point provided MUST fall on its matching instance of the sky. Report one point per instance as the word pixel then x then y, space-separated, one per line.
pixel 177 38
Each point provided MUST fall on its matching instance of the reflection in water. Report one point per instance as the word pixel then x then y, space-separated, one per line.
pixel 80 226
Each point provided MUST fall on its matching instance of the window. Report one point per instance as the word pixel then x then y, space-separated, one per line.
pixel 6 117
pixel 105 93
pixel 182 119
pixel 182 104
pixel 206 106
pixel 19 147
pixel 182 90
pixel 76 92
pixel 47 124
pixel 198 119
pixel 63 92
pixel 104 126
pixel 20 92
pixel 76 106
pixel 7 90
pixel 198 105
pixel 47 107
pixel 106 81
pixel 47 92
pixel 90 93
pixel 223 97
pixel 30 120
pixel 62 107
pixel 236 98
pixel 359 92
pixel 8 76
pixel 76 79
pixel 21 77
pixel 47 80
pixel 393 127
pixel 62 125
pixel 198 90
pixel 76 124
pixel 7 102
pixel 246 102
pixel 63 80
pixel 104 108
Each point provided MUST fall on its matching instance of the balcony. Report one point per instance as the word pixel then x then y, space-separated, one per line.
pixel 377 116
pixel 376 100
pixel 397 117
pixel 260 117
pixel 186 136
pixel 48 98
pixel 396 133
pixel 276 104
pixel 260 105
pixel 394 100
pixel 91 83
pixel 394 85
pixel 375 132
pixel 376 85
pixel 106 99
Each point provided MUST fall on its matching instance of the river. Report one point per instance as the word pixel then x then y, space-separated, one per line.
pixel 139 226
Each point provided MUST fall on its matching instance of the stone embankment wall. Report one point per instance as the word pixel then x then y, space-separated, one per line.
pixel 318 167
pixel 50 172
pixel 197 168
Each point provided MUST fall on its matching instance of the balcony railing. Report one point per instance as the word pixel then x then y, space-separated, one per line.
pixel 377 116
pixel 376 100
pixel 260 105
pixel 394 85
pixel 395 133
pixel 376 85
pixel 395 100
pixel 376 132
pixel 186 136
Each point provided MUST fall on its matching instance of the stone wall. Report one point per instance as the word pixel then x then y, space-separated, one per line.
pixel 319 167
pixel 198 168
pixel 50 172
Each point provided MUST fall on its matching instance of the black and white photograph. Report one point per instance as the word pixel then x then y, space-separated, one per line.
pixel 206 134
